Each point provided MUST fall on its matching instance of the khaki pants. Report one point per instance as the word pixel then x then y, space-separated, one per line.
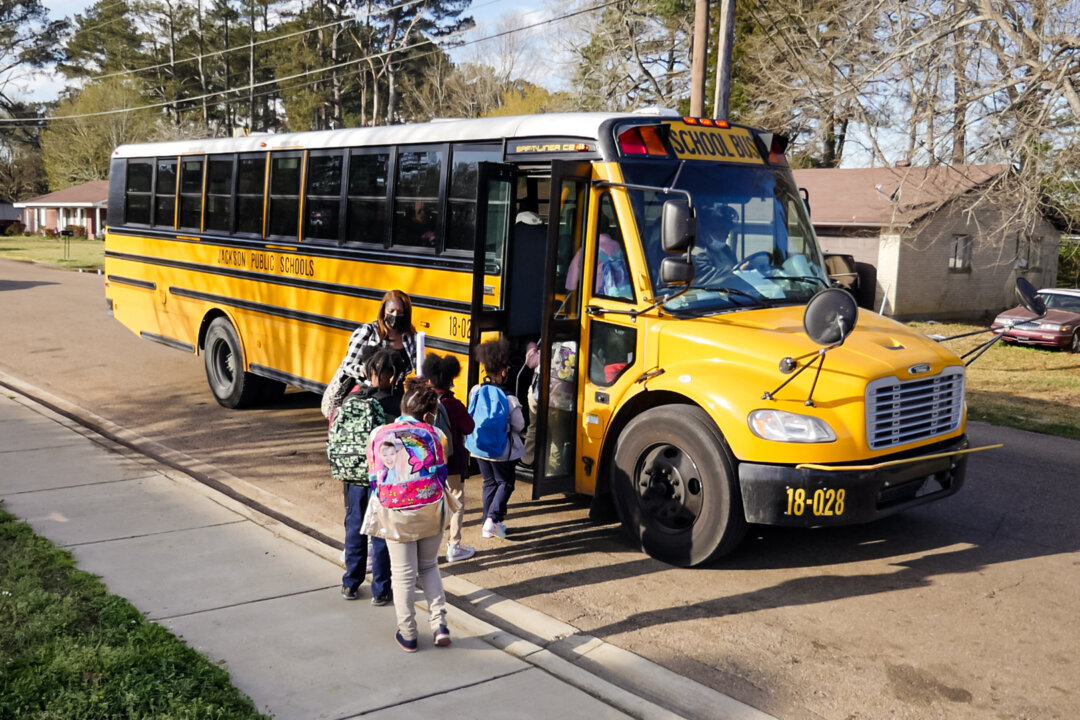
pixel 409 561
pixel 455 485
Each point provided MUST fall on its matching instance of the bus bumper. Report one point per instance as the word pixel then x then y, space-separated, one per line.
pixel 784 495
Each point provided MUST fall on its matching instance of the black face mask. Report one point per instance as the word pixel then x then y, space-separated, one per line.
pixel 397 322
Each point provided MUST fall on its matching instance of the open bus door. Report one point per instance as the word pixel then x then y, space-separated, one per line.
pixel 555 463
pixel 494 234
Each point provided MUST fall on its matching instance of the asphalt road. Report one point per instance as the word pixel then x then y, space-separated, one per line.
pixel 967 608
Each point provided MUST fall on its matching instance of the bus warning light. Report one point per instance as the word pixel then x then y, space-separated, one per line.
pixel 642 140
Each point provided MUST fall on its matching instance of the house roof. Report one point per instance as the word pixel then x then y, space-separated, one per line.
pixel 93 193
pixel 888 195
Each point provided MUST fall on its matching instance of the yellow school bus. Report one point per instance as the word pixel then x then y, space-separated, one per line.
pixel 696 371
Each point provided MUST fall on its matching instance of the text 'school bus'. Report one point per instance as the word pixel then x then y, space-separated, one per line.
pixel 665 266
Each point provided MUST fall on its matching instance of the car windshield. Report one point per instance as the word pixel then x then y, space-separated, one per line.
pixel 1058 301
pixel 755 246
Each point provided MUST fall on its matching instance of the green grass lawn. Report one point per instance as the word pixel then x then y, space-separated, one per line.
pixel 69 649
pixel 71 253
pixel 1015 386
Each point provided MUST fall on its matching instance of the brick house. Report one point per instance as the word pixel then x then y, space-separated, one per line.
pixel 922 250
pixel 80 205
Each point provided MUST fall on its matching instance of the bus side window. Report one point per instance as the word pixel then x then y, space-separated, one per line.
pixel 367 197
pixel 191 193
pixel 416 198
pixel 322 196
pixel 611 270
pixel 250 189
pixel 165 193
pixel 611 352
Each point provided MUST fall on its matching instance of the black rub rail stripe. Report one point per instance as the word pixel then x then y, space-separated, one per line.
pixel 324 320
pixel 134 282
pixel 334 288
pixel 456 346
pixel 200 477
pixel 168 341
pixel 275 310
pixel 288 378
pixel 308 249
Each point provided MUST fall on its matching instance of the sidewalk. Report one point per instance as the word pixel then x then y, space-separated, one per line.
pixel 264 599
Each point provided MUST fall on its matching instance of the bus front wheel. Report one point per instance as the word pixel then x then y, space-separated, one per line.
pixel 674 486
pixel 231 386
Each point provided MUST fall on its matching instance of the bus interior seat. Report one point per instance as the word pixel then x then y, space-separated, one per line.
pixel 525 285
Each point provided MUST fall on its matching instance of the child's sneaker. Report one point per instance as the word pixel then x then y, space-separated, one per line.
pixel 442 636
pixel 493 529
pixel 407 645
pixel 456 551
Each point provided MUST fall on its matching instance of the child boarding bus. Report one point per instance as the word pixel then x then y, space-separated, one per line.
pixel 665 265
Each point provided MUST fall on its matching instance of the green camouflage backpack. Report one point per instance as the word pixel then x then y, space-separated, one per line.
pixel 346 445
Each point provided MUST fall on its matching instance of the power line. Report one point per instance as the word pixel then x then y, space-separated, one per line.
pixel 252 86
pixel 247 46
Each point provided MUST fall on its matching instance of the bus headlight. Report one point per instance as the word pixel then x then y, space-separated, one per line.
pixel 784 426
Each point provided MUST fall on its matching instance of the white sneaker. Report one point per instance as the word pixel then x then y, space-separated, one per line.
pixel 493 529
pixel 455 552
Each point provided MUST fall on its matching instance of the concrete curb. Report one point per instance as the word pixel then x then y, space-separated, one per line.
pixel 626 681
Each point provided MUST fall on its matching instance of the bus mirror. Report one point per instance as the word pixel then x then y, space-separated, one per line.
pixel 830 316
pixel 678 226
pixel 676 271
pixel 1029 297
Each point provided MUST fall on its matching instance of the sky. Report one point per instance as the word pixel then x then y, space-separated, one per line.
pixel 488 14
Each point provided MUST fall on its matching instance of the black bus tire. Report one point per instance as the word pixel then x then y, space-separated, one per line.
pixel 224 361
pixel 673 482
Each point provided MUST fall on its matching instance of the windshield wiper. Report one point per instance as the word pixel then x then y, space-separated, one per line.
pixel 802 278
pixel 731 291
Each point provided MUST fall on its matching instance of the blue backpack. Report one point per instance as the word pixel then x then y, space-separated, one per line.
pixel 490 410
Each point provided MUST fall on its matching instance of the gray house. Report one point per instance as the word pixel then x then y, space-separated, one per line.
pixel 924 250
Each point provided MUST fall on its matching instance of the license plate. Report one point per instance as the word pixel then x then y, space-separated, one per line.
pixel 823 502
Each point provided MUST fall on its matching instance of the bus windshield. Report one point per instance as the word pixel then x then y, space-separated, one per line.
pixel 755 246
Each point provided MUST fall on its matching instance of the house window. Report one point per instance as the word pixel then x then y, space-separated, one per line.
pixel 960 254
pixel 1028 252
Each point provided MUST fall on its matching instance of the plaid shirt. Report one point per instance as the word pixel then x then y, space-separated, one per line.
pixel 351 369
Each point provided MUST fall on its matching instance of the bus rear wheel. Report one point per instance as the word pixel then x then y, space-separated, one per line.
pixel 231 386
pixel 674 486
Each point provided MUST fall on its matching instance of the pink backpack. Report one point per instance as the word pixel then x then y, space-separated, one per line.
pixel 407 464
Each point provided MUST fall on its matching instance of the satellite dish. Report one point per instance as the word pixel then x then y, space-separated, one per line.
pixel 1028 297
pixel 830 316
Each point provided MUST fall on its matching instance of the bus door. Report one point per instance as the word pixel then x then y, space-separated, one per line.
pixel 494 230
pixel 555 463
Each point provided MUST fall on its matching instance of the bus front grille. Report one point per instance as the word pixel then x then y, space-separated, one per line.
pixel 900 412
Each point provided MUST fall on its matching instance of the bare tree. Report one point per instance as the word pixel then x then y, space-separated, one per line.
pixel 633 53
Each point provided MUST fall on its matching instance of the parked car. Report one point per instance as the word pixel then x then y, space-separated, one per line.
pixel 1058 328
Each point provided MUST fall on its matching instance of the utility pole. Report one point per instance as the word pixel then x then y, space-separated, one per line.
pixel 697 62
pixel 723 59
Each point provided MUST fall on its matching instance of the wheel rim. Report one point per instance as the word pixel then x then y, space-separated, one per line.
pixel 668 487
pixel 224 372
pixel 1076 342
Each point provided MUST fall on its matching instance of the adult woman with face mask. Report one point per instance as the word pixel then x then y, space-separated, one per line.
pixel 393 330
